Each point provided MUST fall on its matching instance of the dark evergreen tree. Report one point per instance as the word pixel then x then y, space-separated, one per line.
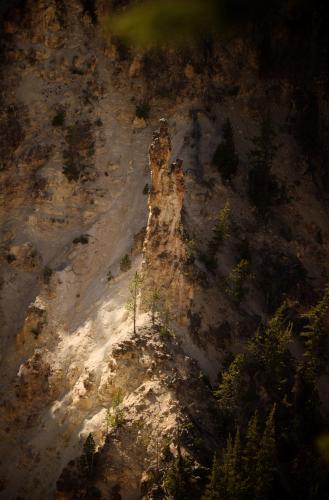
pixel 212 488
pixel 89 452
pixel 266 460
pixel 225 157
pixel 249 458
pixel 231 484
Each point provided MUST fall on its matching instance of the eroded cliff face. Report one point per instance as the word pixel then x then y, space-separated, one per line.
pixel 164 252
pixel 74 165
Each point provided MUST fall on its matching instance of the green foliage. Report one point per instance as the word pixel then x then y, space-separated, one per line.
pixel 134 289
pixel 315 334
pixel 115 415
pixel 143 110
pixel 247 468
pixel 153 303
pixel 47 274
pixel 250 458
pixel 177 479
pixel 125 263
pixel 168 22
pixel 88 453
pixel 225 157
pixel 267 379
pixel 266 459
pixel 146 189
pixel 236 280
pixel 231 387
pixel 59 119
pixel 269 353
pixel 222 228
pixel 212 488
pixel 261 183
pixel 151 23
pixel 230 485
pixel 165 316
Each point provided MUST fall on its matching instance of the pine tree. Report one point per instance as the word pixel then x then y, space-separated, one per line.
pixel 153 304
pixel 134 289
pixel 266 459
pixel 221 233
pixel 225 157
pixel 249 458
pixel 212 488
pixel 315 335
pixel 165 318
pixel 230 389
pixel 230 470
pixel 237 278
pixel 89 452
pixel 269 350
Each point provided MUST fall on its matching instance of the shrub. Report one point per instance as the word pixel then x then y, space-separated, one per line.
pixel 10 257
pixel 146 189
pixel 221 230
pixel 115 415
pixel 125 263
pixel 83 239
pixel 143 110
pixel 59 119
pixel 225 157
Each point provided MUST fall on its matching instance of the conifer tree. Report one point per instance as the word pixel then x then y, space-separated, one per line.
pixel 225 157
pixel 221 230
pixel 316 336
pixel 89 452
pixel 230 389
pixel 266 459
pixel 249 458
pixel 153 304
pixel 212 488
pixel 134 289
pixel 230 470
pixel 269 350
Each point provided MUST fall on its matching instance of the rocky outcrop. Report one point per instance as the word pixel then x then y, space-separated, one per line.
pixel 164 250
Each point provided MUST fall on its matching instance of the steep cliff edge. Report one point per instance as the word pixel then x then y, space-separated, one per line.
pixel 78 113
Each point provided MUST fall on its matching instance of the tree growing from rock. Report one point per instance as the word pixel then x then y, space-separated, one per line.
pixel 153 304
pixel 89 452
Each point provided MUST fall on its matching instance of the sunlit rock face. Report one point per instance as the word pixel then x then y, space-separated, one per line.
pixel 164 249
pixel 75 162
